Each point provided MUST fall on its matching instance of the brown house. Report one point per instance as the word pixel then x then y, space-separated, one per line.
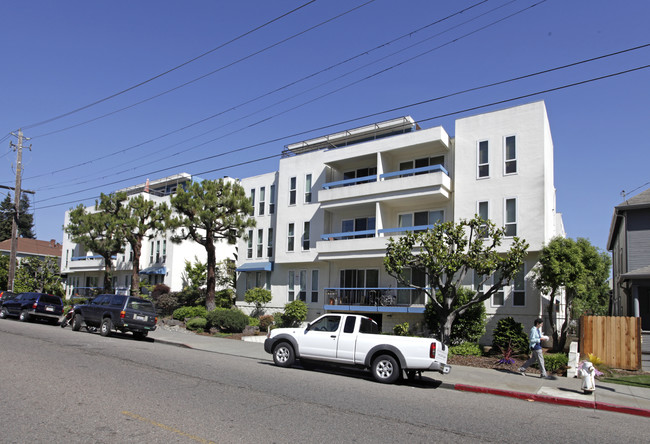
pixel 32 248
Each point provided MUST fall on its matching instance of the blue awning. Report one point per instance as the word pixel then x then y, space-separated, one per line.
pixel 256 266
pixel 154 270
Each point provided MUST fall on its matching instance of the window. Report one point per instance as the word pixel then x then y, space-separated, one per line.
pixel 498 298
pixel 292 191
pixel 360 174
pixel 416 296
pixel 269 243
pixel 327 324
pixel 421 219
pixel 157 251
pixel 291 285
pixel 305 237
pixel 303 286
pixel 368 326
pixel 250 244
pixel 519 289
pixel 253 198
pixel 151 254
pixel 403 166
pixel 349 324
pixel 314 285
pixel 483 212
pixel 164 251
pixel 511 217
pixel 359 224
pixel 308 188
pixel 290 237
pixel 510 155
pixel 260 242
pixel 483 159
pixel 272 199
pixel 262 200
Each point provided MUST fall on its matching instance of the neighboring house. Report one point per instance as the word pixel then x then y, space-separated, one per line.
pixel 161 260
pixel 32 248
pixel 629 242
pixel 325 217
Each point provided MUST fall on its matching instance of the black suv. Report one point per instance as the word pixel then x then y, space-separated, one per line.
pixel 116 312
pixel 28 306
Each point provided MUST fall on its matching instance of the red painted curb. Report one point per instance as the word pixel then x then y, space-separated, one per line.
pixel 556 400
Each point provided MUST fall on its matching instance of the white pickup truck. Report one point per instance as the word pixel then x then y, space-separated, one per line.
pixel 354 340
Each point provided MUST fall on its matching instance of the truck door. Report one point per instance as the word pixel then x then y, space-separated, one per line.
pixel 320 339
pixel 347 340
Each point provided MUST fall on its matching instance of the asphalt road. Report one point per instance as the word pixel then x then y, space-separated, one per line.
pixel 63 386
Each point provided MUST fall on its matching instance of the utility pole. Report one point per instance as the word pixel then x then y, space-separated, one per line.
pixel 14 223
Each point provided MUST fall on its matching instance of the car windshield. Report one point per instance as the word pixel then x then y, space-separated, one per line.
pixel 140 304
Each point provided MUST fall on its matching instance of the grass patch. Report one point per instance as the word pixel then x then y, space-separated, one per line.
pixel 633 380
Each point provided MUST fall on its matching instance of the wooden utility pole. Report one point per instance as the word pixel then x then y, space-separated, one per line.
pixel 14 223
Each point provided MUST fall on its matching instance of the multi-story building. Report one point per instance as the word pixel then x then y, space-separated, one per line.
pixel 325 217
pixel 161 260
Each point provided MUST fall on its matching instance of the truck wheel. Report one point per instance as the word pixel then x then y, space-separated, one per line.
pixel 385 369
pixel 76 322
pixel 106 327
pixel 283 355
pixel 4 314
pixel 24 316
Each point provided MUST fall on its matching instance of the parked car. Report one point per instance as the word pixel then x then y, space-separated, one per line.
pixel 110 312
pixel 28 306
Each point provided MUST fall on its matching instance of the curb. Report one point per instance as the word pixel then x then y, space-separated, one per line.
pixel 554 400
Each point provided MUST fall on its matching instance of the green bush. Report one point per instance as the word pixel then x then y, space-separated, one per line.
pixel 401 329
pixel 228 320
pixel 265 322
pixel 259 297
pixel 555 361
pixel 190 297
pixel 254 322
pixel 197 324
pixel 465 349
pixel 466 328
pixel 294 313
pixel 190 312
pixel 224 298
pixel 166 304
pixel 510 334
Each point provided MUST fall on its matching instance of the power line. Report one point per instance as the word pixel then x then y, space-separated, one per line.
pixel 33 125
pixel 500 102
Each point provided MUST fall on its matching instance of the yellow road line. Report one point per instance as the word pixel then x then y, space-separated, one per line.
pixel 168 428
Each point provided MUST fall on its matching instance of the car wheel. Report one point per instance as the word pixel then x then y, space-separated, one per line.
pixel 24 316
pixel 106 327
pixel 385 369
pixel 4 314
pixel 283 355
pixel 77 321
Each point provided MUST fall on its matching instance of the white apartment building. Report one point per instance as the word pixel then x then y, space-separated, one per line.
pixel 161 260
pixel 325 217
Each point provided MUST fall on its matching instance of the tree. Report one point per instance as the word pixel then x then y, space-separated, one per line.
pixel 98 232
pixel 209 212
pixel 581 270
pixel 39 274
pixel 259 297
pixel 25 219
pixel 468 327
pixel 445 254
pixel 195 275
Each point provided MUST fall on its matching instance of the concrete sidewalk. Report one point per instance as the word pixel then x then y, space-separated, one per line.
pixel 559 390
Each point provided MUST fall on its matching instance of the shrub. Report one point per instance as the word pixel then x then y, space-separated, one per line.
pixel 510 334
pixel 555 361
pixel 401 329
pixel 166 304
pixel 254 322
pixel 294 313
pixel 189 312
pixel 465 349
pixel 197 324
pixel 158 290
pixel 190 297
pixel 466 328
pixel 228 320
pixel 265 322
pixel 259 297
pixel 224 298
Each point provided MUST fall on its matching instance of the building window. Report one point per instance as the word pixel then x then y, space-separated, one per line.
pixel 292 191
pixel 157 252
pixel 314 285
pixel 164 251
pixel 483 211
pixel 249 254
pixel 305 237
pixel 519 289
pixel 151 254
pixel 272 199
pixel 262 200
pixel 420 219
pixel 290 237
pixel 368 173
pixel 498 298
pixel 511 217
pixel 308 188
pixel 260 242
pixel 253 198
pixel 359 224
pixel 269 243
pixel 291 285
pixel 510 155
pixel 303 285
pixel 67 256
pixel 483 159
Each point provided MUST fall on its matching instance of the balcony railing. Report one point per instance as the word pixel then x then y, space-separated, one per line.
pixel 386 176
pixel 371 233
pixel 375 297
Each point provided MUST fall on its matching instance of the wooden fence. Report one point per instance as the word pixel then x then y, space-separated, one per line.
pixel 616 340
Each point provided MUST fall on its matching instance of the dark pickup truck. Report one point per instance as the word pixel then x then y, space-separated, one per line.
pixel 32 305
pixel 110 312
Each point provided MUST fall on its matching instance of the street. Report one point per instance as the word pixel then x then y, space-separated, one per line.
pixel 65 386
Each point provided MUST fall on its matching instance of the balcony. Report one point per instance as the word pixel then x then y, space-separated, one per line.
pixel 431 181
pixel 379 299
pixel 86 263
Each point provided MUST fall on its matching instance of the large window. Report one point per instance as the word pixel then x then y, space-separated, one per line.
pixel 519 288
pixel 421 219
pixel 412 296
pixel 510 155
pixel 358 224
pixel 292 191
pixel 272 199
pixel 260 242
pixel 355 284
pixel 511 217
pixel 290 237
pixel 360 173
pixel 269 243
pixel 314 285
pixel 262 200
pixel 305 237
pixel 249 249
pixel 483 159
pixel 308 188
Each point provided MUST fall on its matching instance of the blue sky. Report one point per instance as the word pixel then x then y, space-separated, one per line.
pixel 324 63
